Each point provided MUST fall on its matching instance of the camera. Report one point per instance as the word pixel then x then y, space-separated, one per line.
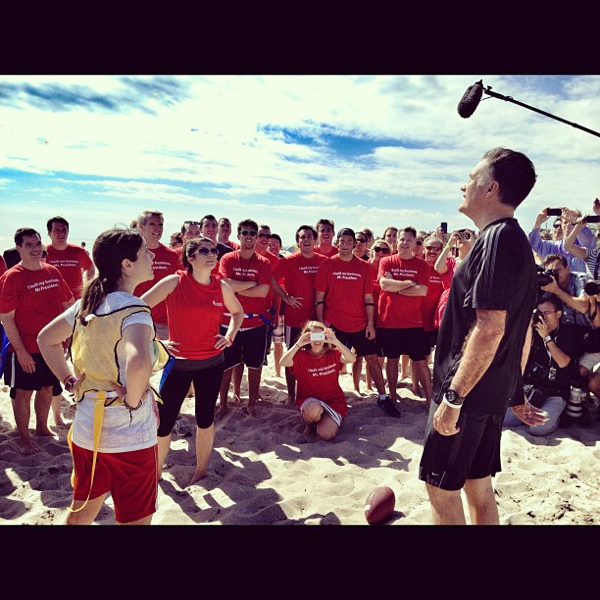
pixel 463 234
pixel 554 212
pixel 544 277
pixel 592 288
pixel 317 337
pixel 444 227
pixel 537 316
pixel 592 219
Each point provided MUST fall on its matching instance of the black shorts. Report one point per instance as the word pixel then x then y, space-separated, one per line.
pixel 17 379
pixel 473 453
pixel 357 340
pixel 249 347
pixel 395 342
pixel 431 340
pixel 292 334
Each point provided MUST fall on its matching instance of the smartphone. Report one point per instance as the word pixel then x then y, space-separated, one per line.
pixel 444 227
pixel 317 336
pixel 554 212
pixel 592 219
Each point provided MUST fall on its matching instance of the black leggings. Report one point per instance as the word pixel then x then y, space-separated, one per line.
pixel 207 383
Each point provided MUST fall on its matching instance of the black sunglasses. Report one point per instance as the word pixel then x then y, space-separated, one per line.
pixel 248 232
pixel 263 235
pixel 361 240
pixel 206 251
pixel 381 249
pixel 433 248
pixel 419 242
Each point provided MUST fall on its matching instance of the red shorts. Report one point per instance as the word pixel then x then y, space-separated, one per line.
pixel 130 477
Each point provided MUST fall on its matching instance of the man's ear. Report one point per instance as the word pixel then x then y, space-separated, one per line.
pixel 493 187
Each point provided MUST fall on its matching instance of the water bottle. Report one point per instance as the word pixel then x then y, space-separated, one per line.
pixel 575 403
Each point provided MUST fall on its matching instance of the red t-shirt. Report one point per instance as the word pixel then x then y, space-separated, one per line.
pixel 298 275
pixel 166 262
pixel 435 287
pixel 273 301
pixel 232 244
pixel 395 310
pixel 194 313
pixel 256 268
pixel 328 254
pixel 37 297
pixel 70 262
pixel 345 284
pixel 318 377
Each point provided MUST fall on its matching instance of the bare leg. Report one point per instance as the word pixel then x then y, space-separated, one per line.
pixel 482 503
pixel 405 367
pixel 414 380
pixel 41 404
pixel 446 506
pixel 223 408
pixel 291 386
pixel 145 521
pixel 204 445
pixel 376 373
pixel 254 376
pixel 391 370
pixel 22 412
pixel 87 515
pixel 164 445
pixel 424 378
pixel 277 354
pixel 56 410
pixel 238 373
pixel 356 372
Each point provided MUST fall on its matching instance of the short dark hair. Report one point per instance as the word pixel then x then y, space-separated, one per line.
pixel 247 223
pixel 554 257
pixel 409 229
pixel 184 228
pixel 346 231
pixel 208 218
pixel 146 214
pixel 23 232
pixel 53 220
pixel 310 228
pixel 552 299
pixel 325 222
pixel 514 173
pixel 190 246
pixel 277 237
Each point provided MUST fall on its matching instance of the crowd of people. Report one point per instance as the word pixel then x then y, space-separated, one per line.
pixel 218 300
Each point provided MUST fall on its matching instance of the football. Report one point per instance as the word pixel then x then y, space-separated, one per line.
pixel 379 505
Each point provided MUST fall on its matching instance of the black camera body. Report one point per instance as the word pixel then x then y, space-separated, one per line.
pixel 554 212
pixel 592 288
pixel 537 316
pixel 544 276
pixel 592 219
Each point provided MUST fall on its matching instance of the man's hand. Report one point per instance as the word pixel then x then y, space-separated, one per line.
pixel 445 419
pixel 542 217
pixel 530 415
pixel 26 361
pixel 370 331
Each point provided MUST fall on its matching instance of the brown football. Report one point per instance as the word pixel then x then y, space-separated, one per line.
pixel 379 505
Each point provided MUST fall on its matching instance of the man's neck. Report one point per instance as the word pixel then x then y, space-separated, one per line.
pixel 405 255
pixel 152 245
pixel 59 245
pixel 325 245
pixel 497 212
pixel 260 250
pixel 31 265
pixel 247 253
pixel 307 254
pixel 346 257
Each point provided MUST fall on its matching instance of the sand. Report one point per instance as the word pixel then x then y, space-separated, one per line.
pixel 265 471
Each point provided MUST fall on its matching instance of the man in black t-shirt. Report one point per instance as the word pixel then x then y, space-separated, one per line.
pixel 481 344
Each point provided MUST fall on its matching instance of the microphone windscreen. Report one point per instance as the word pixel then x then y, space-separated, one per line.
pixel 468 103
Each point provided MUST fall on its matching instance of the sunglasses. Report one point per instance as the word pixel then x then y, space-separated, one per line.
pixel 361 240
pixel 419 242
pixel 557 226
pixel 192 223
pixel 248 232
pixel 263 235
pixel 206 251
pixel 380 249
pixel 433 248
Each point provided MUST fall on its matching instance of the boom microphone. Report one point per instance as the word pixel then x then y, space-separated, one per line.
pixel 470 100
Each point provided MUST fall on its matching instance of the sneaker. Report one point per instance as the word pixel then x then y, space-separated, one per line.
pixel 389 407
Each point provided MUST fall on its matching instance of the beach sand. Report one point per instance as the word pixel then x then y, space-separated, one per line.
pixel 265 471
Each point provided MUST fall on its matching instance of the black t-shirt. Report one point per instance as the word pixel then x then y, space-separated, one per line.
pixel 542 370
pixel 497 274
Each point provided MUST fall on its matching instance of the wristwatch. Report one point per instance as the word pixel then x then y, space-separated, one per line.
pixel 453 399
pixel 547 339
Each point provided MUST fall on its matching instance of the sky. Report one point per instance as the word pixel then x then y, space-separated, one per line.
pixel 284 150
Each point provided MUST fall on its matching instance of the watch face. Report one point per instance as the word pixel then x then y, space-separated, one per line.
pixel 453 397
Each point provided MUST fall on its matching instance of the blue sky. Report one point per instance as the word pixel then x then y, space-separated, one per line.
pixel 365 151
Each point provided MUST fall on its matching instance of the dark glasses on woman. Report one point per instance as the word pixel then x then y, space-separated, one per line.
pixel 381 249
pixel 206 251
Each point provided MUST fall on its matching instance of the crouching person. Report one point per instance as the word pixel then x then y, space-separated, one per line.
pixel 555 345
pixel 315 361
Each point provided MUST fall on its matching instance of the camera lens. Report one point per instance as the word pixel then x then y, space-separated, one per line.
pixel 592 288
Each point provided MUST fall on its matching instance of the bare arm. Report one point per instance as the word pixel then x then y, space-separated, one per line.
pixel 138 364
pixel 234 308
pixel 50 340
pixel 579 303
pixel 320 305
pixel 161 290
pixel 12 333
pixel 406 287
pixel 293 301
pixel 258 291
pixel 239 285
pixel 440 264
pixel 578 251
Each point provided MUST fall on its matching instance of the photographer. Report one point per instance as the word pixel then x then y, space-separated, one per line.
pixel 548 372
pixel 585 238
pixel 315 360
pixel 588 255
